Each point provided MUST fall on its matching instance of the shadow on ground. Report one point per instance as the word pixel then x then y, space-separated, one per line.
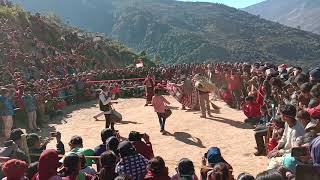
pixel 186 138
pixel 231 122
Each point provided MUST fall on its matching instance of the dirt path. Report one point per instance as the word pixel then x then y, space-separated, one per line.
pixel 189 136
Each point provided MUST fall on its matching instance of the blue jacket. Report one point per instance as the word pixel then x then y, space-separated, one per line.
pixel 30 103
pixel 6 107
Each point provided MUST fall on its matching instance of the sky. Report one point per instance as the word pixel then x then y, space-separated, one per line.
pixel 232 3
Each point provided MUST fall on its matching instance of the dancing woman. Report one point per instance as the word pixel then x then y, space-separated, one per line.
pixel 149 88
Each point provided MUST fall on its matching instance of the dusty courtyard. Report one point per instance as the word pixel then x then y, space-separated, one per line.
pixel 189 136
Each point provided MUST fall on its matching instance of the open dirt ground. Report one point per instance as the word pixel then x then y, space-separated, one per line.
pixel 189 136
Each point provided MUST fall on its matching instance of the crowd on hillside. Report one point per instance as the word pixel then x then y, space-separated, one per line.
pixel 281 102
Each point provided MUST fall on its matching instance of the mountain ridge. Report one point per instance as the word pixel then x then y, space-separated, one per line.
pixel 188 31
pixel 301 14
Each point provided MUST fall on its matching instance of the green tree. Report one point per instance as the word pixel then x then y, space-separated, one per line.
pixel 157 60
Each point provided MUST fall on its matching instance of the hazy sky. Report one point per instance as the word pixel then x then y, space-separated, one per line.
pixel 233 3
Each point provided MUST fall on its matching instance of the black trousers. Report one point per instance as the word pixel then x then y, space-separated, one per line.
pixel 162 120
pixel 258 135
pixel 109 123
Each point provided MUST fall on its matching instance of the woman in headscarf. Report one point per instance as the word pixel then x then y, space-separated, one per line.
pixel 48 165
pixel 210 159
pixel 315 151
pixel 14 170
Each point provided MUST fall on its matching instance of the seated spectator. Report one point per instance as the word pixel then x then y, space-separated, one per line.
pixel 252 110
pixel 315 151
pixel 220 171
pixel 308 123
pixel 32 170
pixel 112 145
pixel 48 165
pixel 292 131
pixel 315 111
pixel 108 161
pixel 271 174
pixel 157 170
pixel 14 170
pixel 105 134
pixel 277 132
pixel 210 159
pixel 11 147
pixel 84 167
pixel 185 170
pixel 245 176
pixel 131 162
pixel 142 147
pixel 261 131
pixel 285 172
pixel 76 146
pixel 72 167
pixel 59 145
pixel 290 161
pixel 36 146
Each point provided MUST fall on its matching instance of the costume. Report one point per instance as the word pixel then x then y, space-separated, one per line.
pixel 149 87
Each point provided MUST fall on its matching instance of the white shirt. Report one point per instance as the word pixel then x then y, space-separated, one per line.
pixel 289 137
pixel 105 100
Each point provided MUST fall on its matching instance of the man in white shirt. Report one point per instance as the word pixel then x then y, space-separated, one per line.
pixel 105 105
pixel 293 130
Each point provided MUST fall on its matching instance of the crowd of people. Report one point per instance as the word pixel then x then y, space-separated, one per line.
pixel 281 102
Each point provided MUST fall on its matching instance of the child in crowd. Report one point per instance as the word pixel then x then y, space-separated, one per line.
pixel 278 129
pixel 159 105
pixel 252 110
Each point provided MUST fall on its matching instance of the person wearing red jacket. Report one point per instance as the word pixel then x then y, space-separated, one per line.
pixel 142 147
pixel 234 85
pixel 157 170
pixel 251 109
pixel 315 111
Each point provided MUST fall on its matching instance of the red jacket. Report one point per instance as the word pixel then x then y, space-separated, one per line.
pixel 314 112
pixel 234 82
pixel 145 149
pixel 151 176
pixel 251 109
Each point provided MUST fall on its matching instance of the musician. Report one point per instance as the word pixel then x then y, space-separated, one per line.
pixel 203 97
pixel 105 105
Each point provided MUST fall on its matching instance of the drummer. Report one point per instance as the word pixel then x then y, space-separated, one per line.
pixel 203 100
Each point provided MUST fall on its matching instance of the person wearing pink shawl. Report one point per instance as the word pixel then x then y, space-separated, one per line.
pixel 48 165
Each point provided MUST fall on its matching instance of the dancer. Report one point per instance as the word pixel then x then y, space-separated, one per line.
pixel 159 105
pixel 149 88
pixel 105 105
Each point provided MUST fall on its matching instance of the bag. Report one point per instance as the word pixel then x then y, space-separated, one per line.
pixel 115 116
pixel 167 113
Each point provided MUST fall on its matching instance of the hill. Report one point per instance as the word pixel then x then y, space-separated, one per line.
pixel 301 14
pixel 28 40
pixel 187 31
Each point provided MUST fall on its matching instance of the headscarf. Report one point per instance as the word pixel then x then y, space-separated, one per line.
pixel 48 164
pixel 14 169
pixel 214 156
pixel 315 151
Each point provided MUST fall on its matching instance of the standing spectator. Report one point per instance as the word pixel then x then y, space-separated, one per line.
pixel 30 107
pixel 131 163
pixel 6 111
